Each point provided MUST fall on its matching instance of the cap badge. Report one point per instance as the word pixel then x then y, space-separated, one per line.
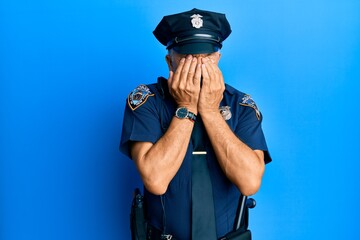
pixel 196 20
pixel 225 112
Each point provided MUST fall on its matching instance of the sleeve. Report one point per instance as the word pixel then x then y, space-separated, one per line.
pixel 141 124
pixel 249 130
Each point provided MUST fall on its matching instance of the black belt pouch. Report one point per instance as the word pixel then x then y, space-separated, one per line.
pixel 238 235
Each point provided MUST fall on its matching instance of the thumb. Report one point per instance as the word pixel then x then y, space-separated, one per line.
pixel 170 79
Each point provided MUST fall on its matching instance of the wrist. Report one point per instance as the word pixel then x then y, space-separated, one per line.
pixel 208 111
pixel 190 107
pixel 210 115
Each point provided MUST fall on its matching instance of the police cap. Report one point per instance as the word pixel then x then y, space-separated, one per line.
pixel 193 32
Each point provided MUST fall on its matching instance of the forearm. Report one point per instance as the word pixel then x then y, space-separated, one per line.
pixel 242 165
pixel 159 163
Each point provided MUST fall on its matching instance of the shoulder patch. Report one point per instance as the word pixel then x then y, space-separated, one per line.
pixel 139 96
pixel 249 102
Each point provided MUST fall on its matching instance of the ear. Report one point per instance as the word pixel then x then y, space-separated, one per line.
pixel 169 62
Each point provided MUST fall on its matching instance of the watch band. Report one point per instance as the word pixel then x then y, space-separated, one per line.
pixel 191 116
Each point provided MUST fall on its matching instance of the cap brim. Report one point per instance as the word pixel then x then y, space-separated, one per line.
pixel 196 48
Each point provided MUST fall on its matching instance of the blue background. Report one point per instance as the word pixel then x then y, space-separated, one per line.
pixel 66 68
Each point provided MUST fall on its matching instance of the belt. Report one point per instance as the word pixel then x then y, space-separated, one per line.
pixel 155 234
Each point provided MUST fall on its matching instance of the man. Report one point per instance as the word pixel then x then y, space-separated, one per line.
pixel 169 126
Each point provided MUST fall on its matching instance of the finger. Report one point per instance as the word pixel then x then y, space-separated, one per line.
pixel 176 76
pixel 185 69
pixel 192 69
pixel 197 76
pixel 218 74
pixel 213 71
pixel 210 64
pixel 205 74
pixel 216 78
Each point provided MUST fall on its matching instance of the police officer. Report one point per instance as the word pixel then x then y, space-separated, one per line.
pixel 158 131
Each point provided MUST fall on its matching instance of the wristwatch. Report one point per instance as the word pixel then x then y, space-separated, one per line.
pixel 183 112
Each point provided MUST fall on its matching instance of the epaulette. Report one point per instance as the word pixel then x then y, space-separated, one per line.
pixel 139 96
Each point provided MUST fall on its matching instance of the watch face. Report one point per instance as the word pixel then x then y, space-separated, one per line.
pixel 182 112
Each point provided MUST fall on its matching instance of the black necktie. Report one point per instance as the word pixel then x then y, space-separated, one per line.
pixel 203 215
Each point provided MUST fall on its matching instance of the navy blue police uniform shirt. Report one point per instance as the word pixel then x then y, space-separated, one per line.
pixel 148 113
